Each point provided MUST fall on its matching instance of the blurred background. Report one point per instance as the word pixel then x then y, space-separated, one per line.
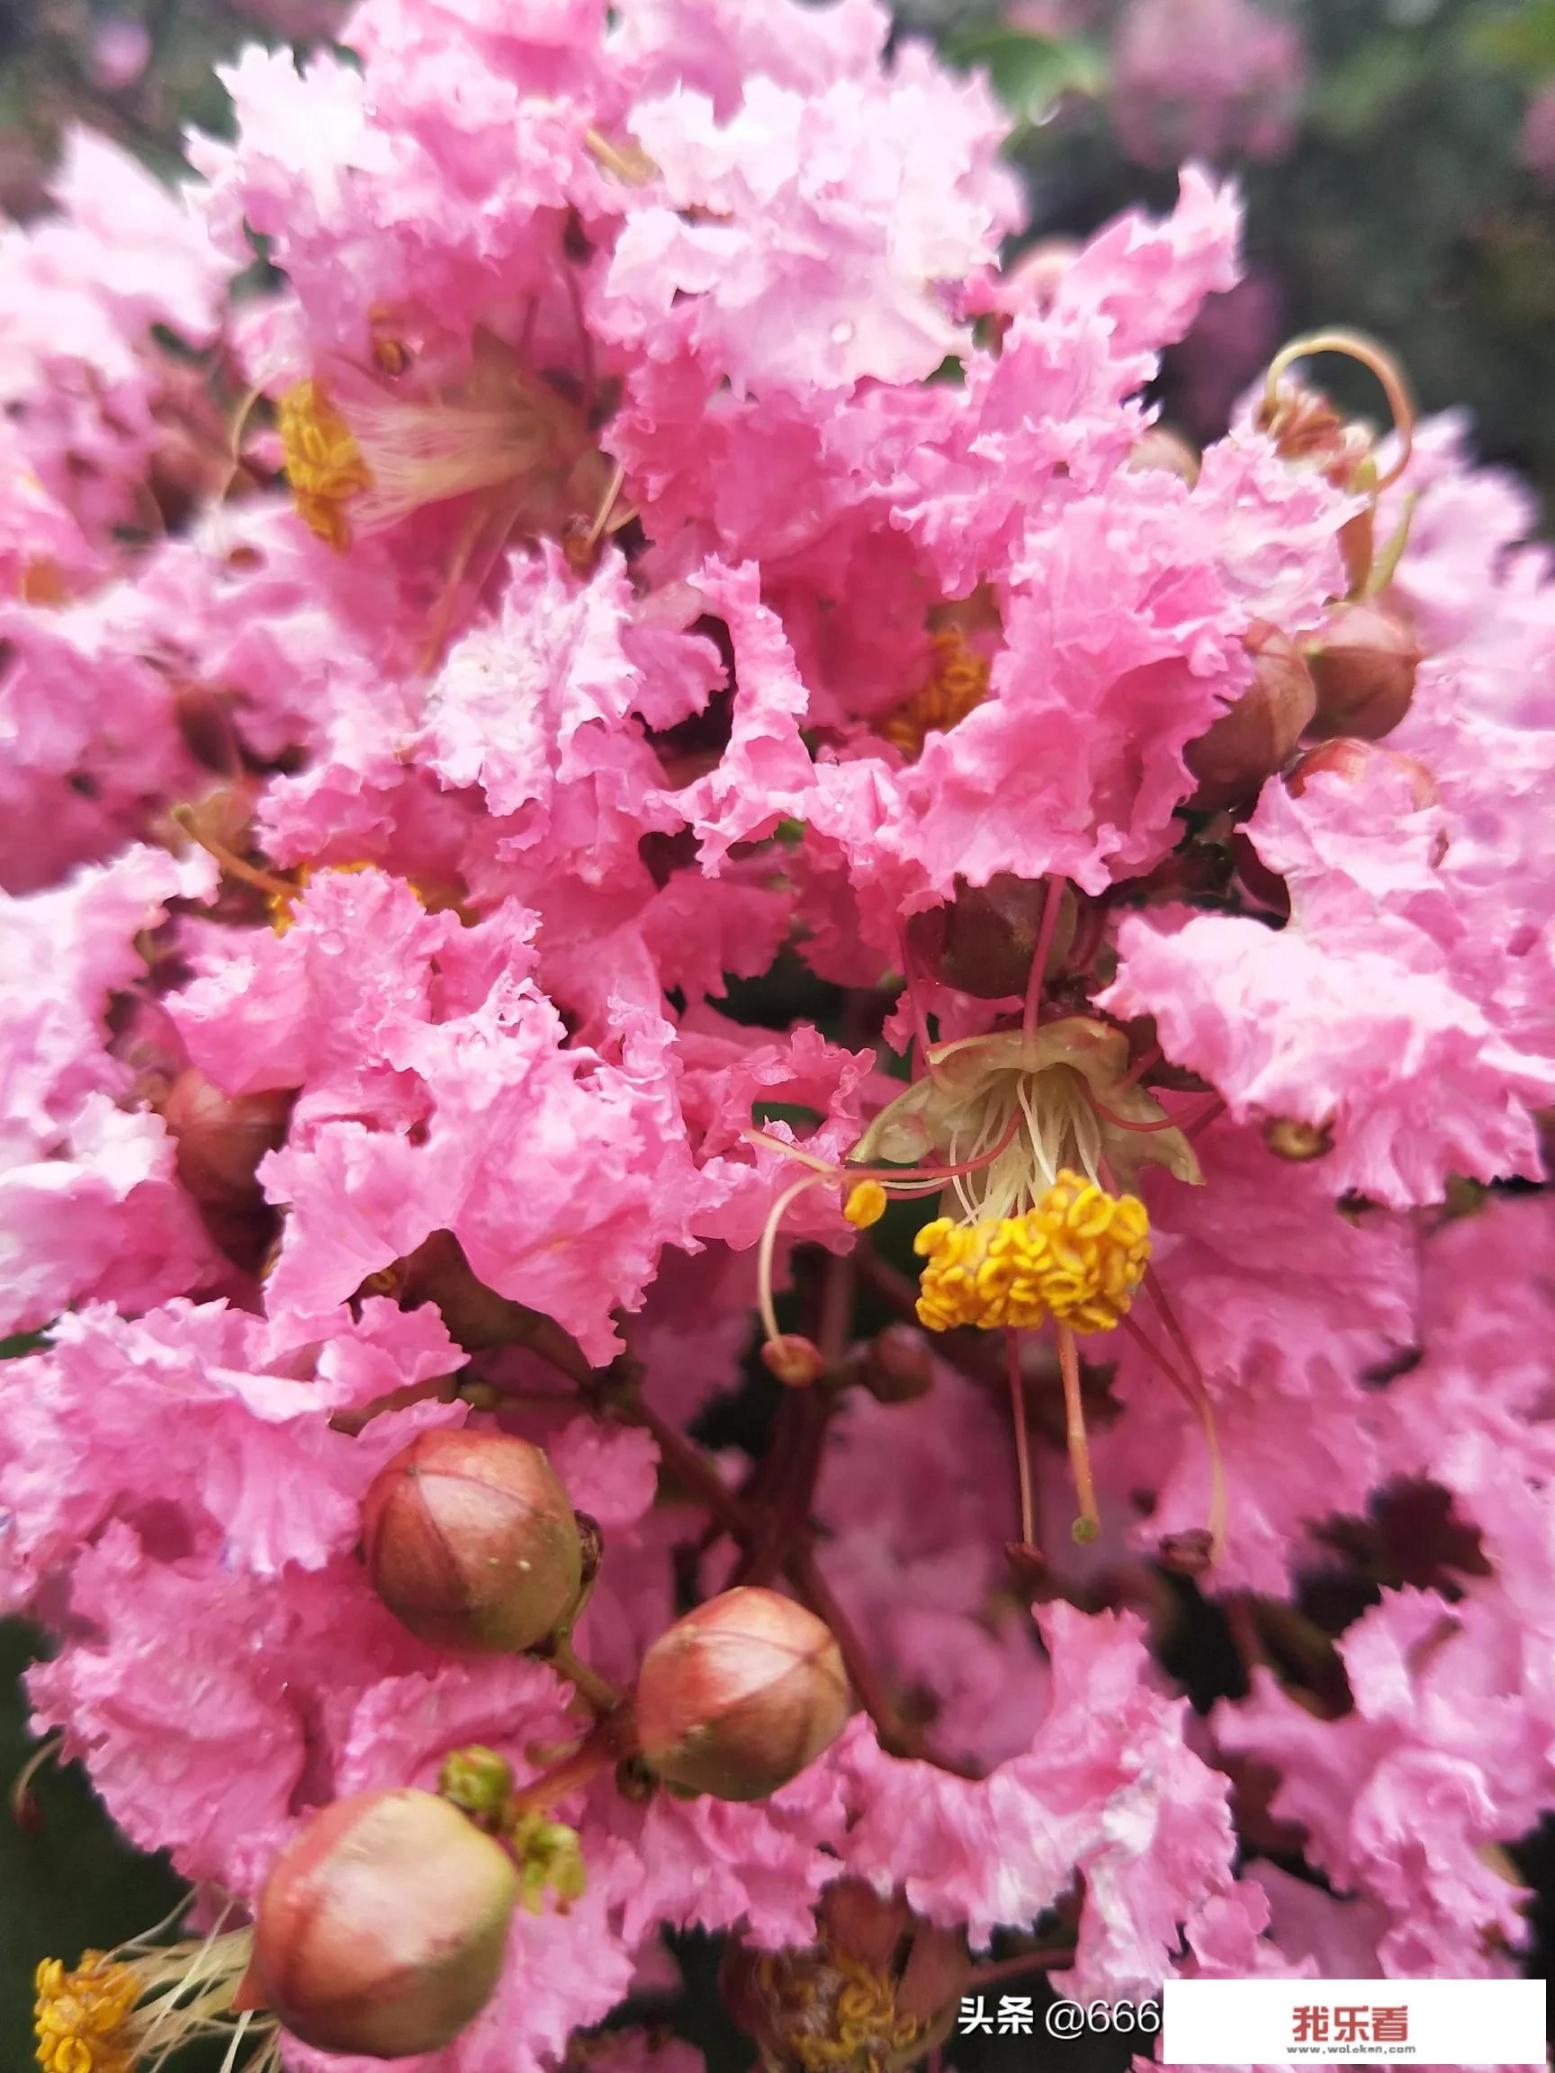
pixel 1398 160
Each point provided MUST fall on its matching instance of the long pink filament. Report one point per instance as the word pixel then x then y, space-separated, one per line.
pixel 1193 1391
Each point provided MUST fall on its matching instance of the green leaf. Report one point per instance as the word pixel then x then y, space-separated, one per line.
pixel 1031 73
pixel 23 1342
pixel 1359 93
pixel 1524 41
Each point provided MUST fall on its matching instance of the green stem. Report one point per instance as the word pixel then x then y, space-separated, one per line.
pixel 598 1691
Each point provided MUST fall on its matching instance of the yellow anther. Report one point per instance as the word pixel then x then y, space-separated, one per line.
pixel 324 464
pixel 865 1205
pixel 134 2008
pixel 281 905
pixel 81 2015
pixel 1078 1256
pixel 958 681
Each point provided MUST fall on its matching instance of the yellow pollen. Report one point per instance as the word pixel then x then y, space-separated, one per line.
pixel 138 2006
pixel 324 464
pixel 1078 1256
pixel 865 1205
pixel 81 2016
pixel 865 2024
pixel 957 682
pixel 281 905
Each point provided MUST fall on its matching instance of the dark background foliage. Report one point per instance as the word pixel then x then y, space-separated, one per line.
pixel 1403 207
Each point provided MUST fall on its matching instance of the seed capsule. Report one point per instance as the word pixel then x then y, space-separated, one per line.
pixel 471 1541
pixel 740 1695
pixel 382 1928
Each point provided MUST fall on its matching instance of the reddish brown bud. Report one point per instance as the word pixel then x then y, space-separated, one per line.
pixel 983 941
pixel 1364 665
pixel 1253 739
pixel 737 1697
pixel 1354 760
pixel 471 1541
pixel 896 1366
pixel 382 1929
pixel 1167 453
pixel 219 1139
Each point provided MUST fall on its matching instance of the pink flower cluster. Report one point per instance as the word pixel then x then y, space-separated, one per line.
pixel 669 559
pixel 1208 78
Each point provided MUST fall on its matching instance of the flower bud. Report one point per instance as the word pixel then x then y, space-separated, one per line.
pixel 737 1697
pixel 219 1139
pixel 896 1366
pixel 1354 760
pixel 1251 741
pixel 382 1929
pixel 983 941
pixel 478 1782
pixel 1364 665
pixel 1165 452
pixel 471 1542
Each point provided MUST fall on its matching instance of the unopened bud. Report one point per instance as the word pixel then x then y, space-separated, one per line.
pixel 1364 665
pixel 382 1929
pixel 983 941
pixel 478 1782
pixel 471 1542
pixel 896 1366
pixel 1251 741
pixel 740 1695
pixel 219 1139
pixel 1165 452
pixel 1355 761
pixel 796 1361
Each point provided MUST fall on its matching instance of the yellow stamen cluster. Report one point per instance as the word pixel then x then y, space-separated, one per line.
pixel 82 2016
pixel 1078 1256
pixel 324 464
pixel 138 2006
pixel 839 2016
pixel 957 682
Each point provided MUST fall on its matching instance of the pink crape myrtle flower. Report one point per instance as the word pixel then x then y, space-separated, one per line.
pixel 709 963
